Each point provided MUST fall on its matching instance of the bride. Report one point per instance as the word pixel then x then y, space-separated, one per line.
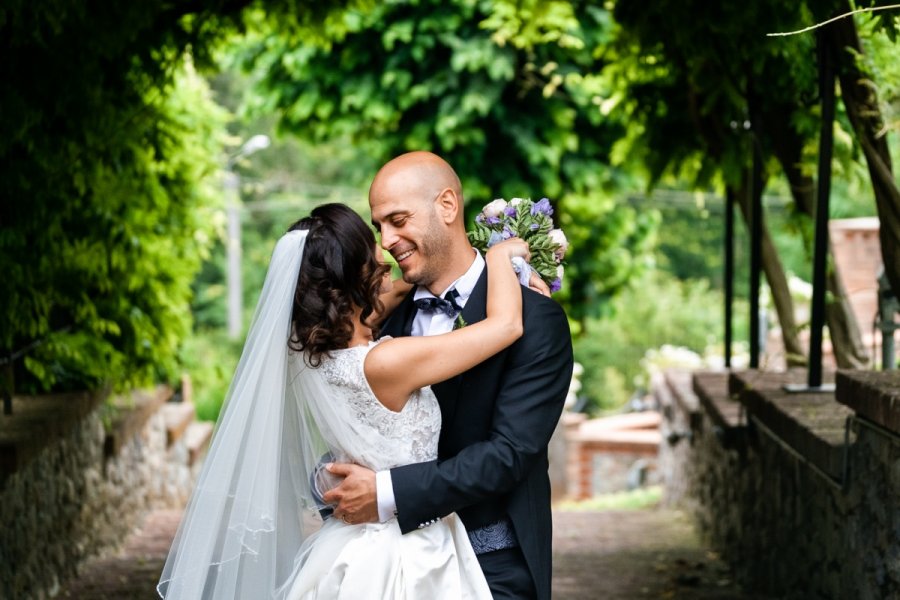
pixel 313 382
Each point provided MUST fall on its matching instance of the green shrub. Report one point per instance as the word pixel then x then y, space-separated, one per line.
pixel 654 310
pixel 210 358
pixel 102 237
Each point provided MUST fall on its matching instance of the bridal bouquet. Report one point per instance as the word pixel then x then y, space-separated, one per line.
pixel 532 221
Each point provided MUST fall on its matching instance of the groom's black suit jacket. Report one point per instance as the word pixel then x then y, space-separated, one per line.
pixel 497 421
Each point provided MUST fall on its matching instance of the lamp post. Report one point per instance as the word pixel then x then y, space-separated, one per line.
pixel 233 245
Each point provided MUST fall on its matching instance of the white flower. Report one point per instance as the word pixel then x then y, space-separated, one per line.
pixel 516 201
pixel 559 271
pixel 495 208
pixel 558 237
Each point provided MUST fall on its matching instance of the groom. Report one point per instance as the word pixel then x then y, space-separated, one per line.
pixel 497 417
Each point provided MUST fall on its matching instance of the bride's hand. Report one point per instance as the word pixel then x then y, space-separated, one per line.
pixel 538 285
pixel 512 248
pixel 517 247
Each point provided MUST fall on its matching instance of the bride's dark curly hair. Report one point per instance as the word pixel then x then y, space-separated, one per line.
pixel 339 272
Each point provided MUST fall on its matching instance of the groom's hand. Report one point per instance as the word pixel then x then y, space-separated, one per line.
pixel 355 496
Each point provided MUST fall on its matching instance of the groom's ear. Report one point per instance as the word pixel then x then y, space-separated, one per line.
pixel 448 205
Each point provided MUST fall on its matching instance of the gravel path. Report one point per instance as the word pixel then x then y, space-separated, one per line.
pixel 625 555
pixel 606 555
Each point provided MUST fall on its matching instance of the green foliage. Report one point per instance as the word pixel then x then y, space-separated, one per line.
pixel 694 78
pixel 107 151
pixel 653 310
pixel 502 90
pixel 108 145
pixel 610 244
pixel 99 268
pixel 700 90
pixel 210 358
pixel 879 40
pixel 636 499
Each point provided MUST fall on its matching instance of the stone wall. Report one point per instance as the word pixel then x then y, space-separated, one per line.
pixel 83 491
pixel 769 488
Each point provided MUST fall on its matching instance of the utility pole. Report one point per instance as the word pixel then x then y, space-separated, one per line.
pixel 232 185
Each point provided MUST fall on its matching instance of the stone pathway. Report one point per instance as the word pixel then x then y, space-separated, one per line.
pixel 133 573
pixel 633 554
pixel 608 555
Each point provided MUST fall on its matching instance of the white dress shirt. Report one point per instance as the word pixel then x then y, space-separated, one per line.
pixel 425 323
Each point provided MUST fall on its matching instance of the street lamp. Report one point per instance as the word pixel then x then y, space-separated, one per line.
pixel 233 245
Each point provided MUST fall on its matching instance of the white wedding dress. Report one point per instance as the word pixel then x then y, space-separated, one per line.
pixel 375 560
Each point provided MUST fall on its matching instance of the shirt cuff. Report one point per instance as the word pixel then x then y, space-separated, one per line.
pixel 384 496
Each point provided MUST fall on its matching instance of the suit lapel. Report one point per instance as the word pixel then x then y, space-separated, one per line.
pixel 476 306
pixel 475 310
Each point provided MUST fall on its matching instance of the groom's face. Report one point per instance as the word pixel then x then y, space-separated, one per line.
pixel 412 232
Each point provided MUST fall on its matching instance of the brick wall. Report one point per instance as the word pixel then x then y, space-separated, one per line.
pixel 857 253
pixel 610 454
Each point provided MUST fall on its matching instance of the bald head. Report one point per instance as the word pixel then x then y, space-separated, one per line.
pixel 417 174
pixel 417 206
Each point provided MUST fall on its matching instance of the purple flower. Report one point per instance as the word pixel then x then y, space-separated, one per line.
pixel 507 233
pixel 534 227
pixel 479 219
pixel 492 220
pixel 510 211
pixel 542 207
pixel 556 285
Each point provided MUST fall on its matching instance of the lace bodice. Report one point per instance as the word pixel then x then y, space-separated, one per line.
pixel 404 437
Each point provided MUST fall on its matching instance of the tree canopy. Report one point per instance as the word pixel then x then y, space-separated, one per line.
pixel 705 88
pixel 502 90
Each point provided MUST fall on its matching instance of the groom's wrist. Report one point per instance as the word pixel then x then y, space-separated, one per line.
pixel 384 496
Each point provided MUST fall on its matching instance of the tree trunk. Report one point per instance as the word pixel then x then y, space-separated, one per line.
pixel 861 101
pixel 775 277
pixel 846 339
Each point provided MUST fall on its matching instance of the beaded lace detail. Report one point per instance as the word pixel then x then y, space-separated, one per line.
pixel 410 435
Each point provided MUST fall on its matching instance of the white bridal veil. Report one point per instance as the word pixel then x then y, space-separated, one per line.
pixel 245 520
pixel 243 532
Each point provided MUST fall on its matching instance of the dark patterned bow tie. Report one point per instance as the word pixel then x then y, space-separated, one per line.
pixel 446 305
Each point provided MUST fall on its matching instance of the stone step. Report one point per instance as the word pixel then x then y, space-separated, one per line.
pixel 871 394
pixel 723 409
pixel 178 416
pixel 626 441
pixel 196 438
pixel 130 412
pixel 812 424
pixel 679 383
pixel 648 419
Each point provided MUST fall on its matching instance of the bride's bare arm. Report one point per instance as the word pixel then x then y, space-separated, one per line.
pixel 397 367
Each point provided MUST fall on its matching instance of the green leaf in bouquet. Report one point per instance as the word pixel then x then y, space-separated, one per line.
pixel 479 237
